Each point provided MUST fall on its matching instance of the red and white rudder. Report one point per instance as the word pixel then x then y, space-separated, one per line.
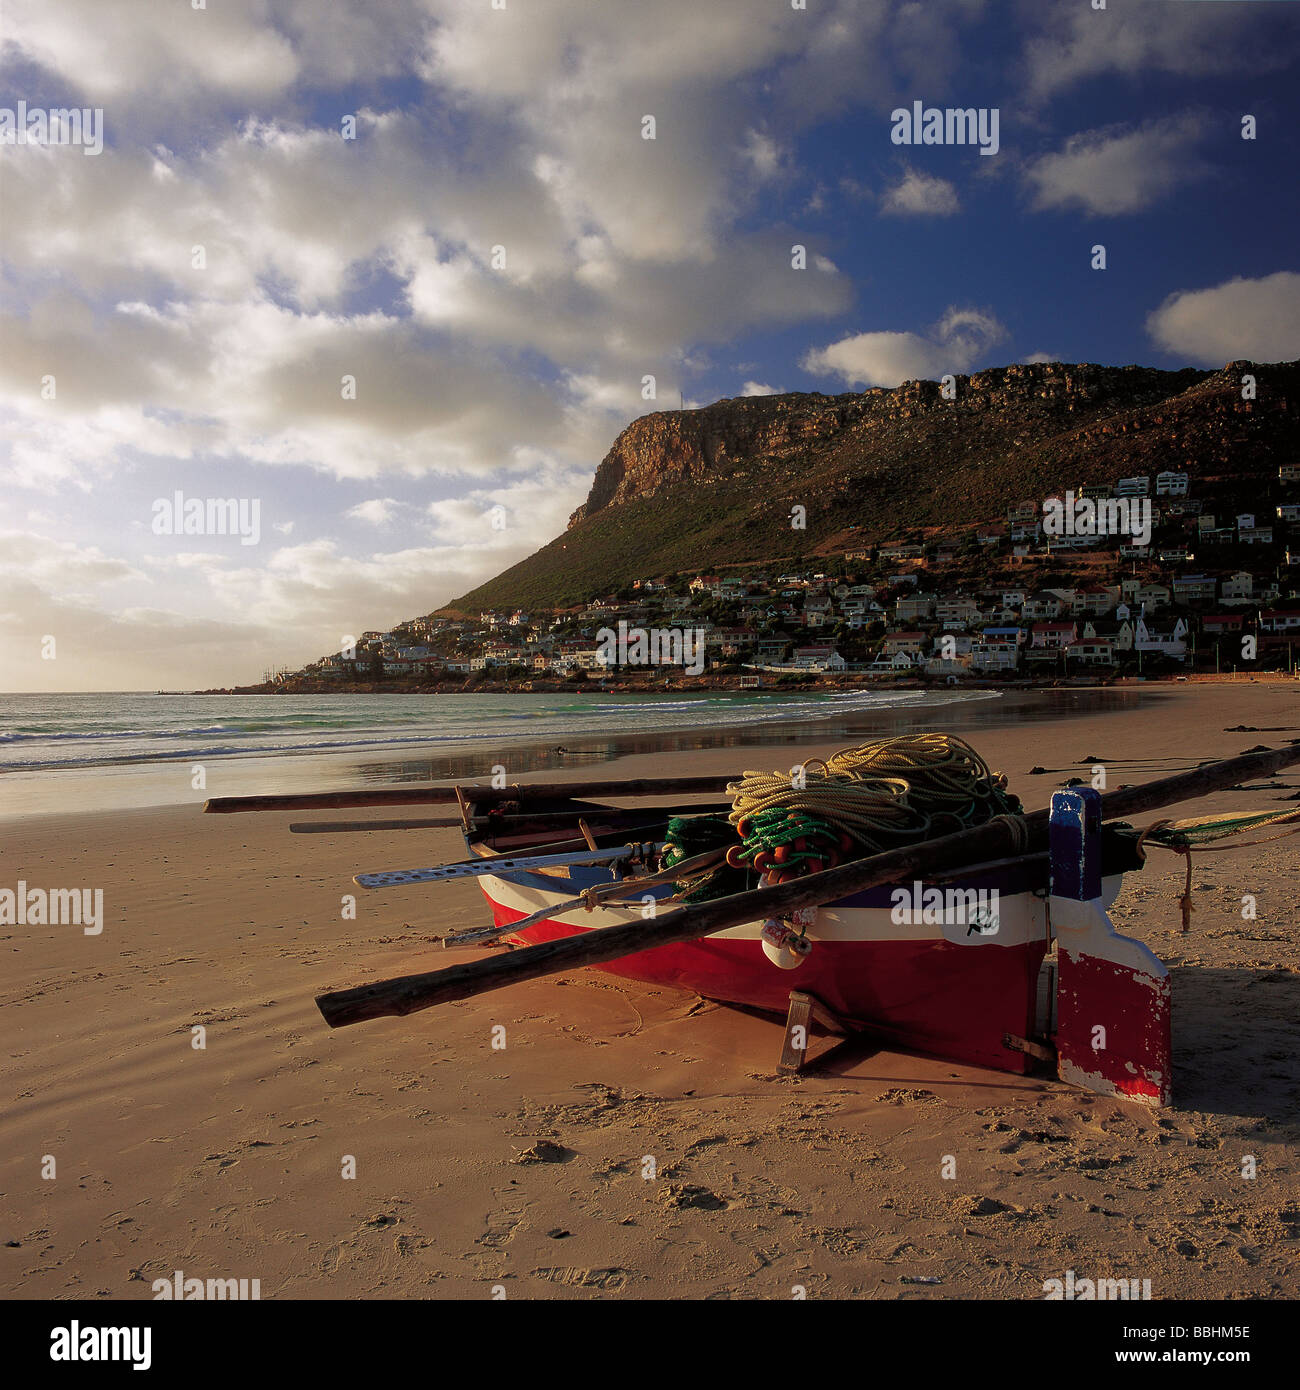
pixel 1112 997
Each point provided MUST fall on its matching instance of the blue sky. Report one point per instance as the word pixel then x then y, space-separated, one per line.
pixel 483 385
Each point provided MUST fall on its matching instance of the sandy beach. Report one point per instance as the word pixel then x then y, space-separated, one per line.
pixel 523 1168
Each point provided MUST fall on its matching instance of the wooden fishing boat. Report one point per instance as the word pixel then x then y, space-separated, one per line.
pixel 949 986
pixel 1043 976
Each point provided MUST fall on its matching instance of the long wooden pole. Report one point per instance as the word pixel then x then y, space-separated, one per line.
pixel 514 825
pixel 411 993
pixel 482 796
pixel 347 827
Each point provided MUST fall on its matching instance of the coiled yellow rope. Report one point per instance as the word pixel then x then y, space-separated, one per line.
pixel 911 787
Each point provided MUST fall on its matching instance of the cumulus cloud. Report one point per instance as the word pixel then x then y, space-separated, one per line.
pixel 376 511
pixel 757 388
pixel 762 152
pixel 1070 44
pixel 1256 319
pixel 224 620
pixel 351 395
pixel 958 342
pixel 244 355
pixel 1114 171
pixel 920 195
pixel 171 49
pixel 43 560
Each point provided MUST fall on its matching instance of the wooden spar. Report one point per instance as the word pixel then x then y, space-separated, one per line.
pixel 514 825
pixel 342 827
pixel 411 993
pixel 480 796
pixel 538 820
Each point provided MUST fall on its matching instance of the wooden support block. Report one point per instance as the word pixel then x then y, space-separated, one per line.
pixel 1043 1051
pixel 797 1024
pixel 804 1010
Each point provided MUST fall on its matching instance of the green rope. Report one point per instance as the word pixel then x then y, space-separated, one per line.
pixel 1204 830
pixel 688 836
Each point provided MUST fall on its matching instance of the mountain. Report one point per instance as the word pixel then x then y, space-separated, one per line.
pixel 705 489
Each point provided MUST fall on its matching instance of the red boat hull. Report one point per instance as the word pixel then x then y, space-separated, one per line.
pixel 933 996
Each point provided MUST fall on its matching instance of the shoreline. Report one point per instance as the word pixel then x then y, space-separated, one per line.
pixel 779 683
pixel 225 1160
pixel 169 781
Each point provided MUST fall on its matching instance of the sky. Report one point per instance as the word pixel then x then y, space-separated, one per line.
pixel 397 270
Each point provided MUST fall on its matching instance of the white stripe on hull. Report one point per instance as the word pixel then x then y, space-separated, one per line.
pixel 1022 918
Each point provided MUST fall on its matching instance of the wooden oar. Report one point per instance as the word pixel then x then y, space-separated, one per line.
pixel 495 825
pixel 480 795
pixel 344 827
pixel 1001 836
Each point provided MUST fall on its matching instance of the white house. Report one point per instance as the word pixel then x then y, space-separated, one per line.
pixel 911 644
pixel 819 659
pixel 955 610
pixel 1170 642
pixel 1194 588
pixel 1092 651
pixel 914 607
pixel 1239 589
pixel 1053 636
pixel 993 658
pixel 1171 484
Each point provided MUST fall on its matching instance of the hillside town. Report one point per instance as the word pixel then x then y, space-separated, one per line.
pixel 1198 585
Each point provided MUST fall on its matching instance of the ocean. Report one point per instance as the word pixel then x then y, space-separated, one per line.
pixel 110 751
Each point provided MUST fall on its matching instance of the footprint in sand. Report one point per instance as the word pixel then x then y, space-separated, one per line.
pixel 501 1229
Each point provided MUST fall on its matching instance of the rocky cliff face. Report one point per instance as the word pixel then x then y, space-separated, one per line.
pixel 669 448
pixel 660 450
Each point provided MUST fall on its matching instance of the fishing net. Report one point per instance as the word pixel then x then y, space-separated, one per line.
pixel 1201 835
pixel 858 802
